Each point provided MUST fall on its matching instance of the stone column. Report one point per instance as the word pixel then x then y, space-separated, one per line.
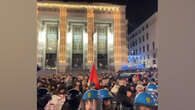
pixel 117 40
pixel 90 30
pixel 120 42
pixel 62 46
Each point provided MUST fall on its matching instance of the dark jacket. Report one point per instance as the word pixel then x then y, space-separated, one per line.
pixel 123 99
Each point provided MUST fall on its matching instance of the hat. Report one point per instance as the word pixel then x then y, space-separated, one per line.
pixel 104 94
pixel 145 99
pixel 152 88
pixel 73 94
pixel 90 94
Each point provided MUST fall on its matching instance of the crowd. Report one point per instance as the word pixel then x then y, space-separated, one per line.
pixel 69 92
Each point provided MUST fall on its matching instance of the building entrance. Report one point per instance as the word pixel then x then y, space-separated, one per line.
pixel 51 46
pixel 77 47
pixel 102 55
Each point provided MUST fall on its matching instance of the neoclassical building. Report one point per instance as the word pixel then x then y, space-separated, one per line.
pixel 74 36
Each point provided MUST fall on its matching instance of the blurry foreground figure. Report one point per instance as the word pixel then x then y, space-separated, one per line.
pixel 106 97
pixel 139 88
pixel 123 101
pixel 43 97
pixel 144 101
pixel 153 90
pixel 72 100
pixel 90 101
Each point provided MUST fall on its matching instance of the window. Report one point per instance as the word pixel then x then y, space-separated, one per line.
pixel 154 61
pixel 143 48
pixel 154 55
pixel 148 48
pixel 143 38
pixel 153 45
pixel 146 25
pixel 133 43
pixel 140 50
pixel 140 40
pixel 139 31
pixel 135 34
pixel 148 56
pixel 143 28
pixel 144 64
pixel 147 36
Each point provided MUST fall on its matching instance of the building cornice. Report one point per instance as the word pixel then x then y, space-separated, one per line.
pixel 96 6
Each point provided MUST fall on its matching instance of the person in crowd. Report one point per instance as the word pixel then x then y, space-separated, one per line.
pixel 77 85
pixel 106 97
pixel 153 90
pixel 38 68
pixel 130 94
pixel 43 97
pixel 56 102
pixel 123 82
pixel 123 102
pixel 145 82
pixel 132 88
pixel 139 88
pixel 133 82
pixel 91 86
pixel 72 100
pixel 123 90
pixel 144 101
pixel 139 82
pixel 101 83
pixel 115 88
pixel 39 84
pixel 90 101
pixel 84 86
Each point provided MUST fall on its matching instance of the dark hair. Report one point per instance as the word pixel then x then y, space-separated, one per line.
pixel 129 89
pixel 43 98
pixel 122 91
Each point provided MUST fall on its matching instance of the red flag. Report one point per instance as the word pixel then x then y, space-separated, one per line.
pixel 93 78
pixel 138 76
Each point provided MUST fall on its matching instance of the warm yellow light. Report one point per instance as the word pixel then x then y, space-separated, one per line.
pixel 63 5
pixel 90 29
pixel 117 40
pixel 62 54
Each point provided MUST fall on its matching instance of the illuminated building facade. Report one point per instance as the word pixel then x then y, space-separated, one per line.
pixel 142 43
pixel 73 36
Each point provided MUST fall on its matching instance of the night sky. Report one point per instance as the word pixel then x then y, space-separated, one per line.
pixel 137 10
